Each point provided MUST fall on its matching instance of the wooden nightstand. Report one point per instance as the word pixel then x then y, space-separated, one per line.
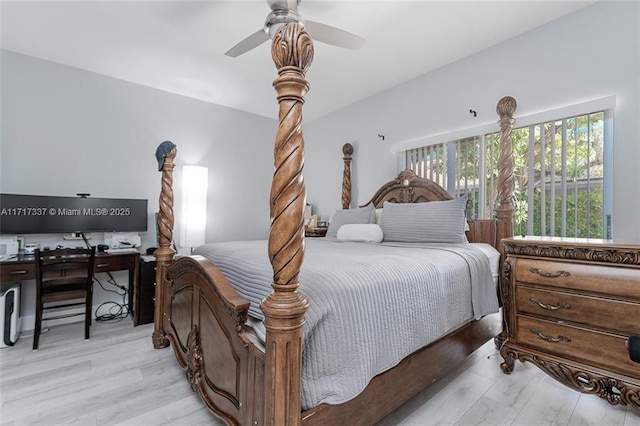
pixel 315 232
pixel 145 292
pixel 569 307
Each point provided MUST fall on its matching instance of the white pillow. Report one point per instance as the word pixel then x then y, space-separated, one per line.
pixel 360 232
pixel 341 217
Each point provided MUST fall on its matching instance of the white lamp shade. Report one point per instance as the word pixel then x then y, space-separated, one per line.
pixel 194 205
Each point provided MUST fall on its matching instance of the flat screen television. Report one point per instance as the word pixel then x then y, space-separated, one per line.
pixel 42 214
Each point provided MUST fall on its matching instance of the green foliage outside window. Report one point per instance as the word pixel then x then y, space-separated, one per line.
pixel 582 170
pixel 576 169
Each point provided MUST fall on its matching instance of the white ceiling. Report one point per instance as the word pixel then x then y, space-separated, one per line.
pixel 179 46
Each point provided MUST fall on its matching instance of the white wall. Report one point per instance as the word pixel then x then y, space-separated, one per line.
pixel 590 54
pixel 66 131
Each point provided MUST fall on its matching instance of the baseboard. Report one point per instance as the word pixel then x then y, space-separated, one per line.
pixel 77 312
pixel 28 321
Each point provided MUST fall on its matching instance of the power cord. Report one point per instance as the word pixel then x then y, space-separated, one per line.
pixel 115 311
pixel 506 331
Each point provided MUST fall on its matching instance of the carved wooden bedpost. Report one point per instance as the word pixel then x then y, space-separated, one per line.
pixel 284 308
pixel 347 150
pixel 164 253
pixel 505 210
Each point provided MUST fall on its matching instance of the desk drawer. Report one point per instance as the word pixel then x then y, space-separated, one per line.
pixel 116 262
pixel 607 314
pixel 609 280
pixel 22 270
pixel 10 271
pixel 581 344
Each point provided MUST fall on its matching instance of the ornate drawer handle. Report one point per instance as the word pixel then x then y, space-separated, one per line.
pixel 539 302
pixel 102 265
pixel 558 339
pixel 550 274
pixel 19 272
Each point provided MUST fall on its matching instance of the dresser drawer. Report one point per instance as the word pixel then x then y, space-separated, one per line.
pixel 607 314
pixel 610 280
pixel 601 349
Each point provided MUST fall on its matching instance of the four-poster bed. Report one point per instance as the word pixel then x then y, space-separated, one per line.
pixel 205 319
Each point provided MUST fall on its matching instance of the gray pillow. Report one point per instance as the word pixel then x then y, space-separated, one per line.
pixel 366 214
pixel 431 222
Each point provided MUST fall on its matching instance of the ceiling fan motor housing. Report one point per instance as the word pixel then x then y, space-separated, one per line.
pixel 277 18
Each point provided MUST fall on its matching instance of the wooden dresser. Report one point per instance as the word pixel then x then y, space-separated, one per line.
pixel 569 307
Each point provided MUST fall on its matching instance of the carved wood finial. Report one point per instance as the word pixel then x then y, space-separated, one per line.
pixel 292 47
pixel 506 107
pixel 164 253
pixel 347 150
pixel 284 308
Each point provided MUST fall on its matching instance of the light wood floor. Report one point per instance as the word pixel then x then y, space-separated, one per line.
pixel 117 378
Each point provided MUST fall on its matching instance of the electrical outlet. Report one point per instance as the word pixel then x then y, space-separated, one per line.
pixel 76 236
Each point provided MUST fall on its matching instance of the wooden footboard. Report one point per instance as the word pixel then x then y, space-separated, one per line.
pixel 204 323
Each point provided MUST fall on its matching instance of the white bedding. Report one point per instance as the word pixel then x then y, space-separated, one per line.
pixel 493 255
pixel 370 305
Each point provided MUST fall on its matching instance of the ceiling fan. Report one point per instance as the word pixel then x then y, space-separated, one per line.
pixel 284 11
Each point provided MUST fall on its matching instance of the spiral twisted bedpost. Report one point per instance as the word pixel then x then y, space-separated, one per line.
pixel 505 210
pixel 284 308
pixel 347 150
pixel 164 253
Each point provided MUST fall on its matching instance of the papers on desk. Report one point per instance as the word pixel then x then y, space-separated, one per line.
pixel 118 240
pixel 122 250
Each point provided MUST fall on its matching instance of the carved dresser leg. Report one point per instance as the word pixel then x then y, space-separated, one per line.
pixel 509 357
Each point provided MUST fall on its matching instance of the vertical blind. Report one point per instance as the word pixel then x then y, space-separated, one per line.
pixel 559 175
pixel 459 166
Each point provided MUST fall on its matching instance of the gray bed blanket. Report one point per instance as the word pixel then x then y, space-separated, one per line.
pixel 370 305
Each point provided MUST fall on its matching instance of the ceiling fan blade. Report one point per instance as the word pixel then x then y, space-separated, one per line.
pixel 332 35
pixel 251 42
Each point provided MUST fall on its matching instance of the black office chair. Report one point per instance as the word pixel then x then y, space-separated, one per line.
pixel 63 275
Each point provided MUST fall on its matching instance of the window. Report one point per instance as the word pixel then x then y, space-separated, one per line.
pixel 559 175
pixel 457 167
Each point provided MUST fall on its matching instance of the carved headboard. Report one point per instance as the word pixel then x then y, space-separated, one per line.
pixel 407 187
